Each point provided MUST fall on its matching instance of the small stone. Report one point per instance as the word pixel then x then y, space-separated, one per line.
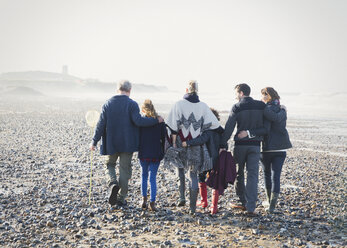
pixel 50 224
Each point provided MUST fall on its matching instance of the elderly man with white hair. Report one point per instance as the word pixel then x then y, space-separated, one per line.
pixel 118 127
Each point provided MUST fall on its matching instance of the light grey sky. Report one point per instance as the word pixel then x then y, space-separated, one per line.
pixel 293 45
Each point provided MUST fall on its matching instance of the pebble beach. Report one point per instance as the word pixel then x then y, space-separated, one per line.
pixel 45 169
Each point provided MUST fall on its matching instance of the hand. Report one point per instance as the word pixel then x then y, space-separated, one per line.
pixel 92 147
pixel 184 144
pixel 283 107
pixel 242 134
pixel 160 119
pixel 221 149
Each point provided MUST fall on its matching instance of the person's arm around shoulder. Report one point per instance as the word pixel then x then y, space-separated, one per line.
pixel 273 116
pixel 141 121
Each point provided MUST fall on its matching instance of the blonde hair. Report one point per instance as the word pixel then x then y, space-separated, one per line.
pixel 148 109
pixel 192 87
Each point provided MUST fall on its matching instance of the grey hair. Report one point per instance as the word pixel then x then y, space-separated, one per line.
pixel 124 85
pixel 193 86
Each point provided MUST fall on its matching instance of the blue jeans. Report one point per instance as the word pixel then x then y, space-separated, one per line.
pixel 272 165
pixel 152 167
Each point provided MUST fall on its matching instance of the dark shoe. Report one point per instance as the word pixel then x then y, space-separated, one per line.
pixel 112 198
pixel 181 203
pixel 121 204
pixel 144 203
pixel 238 206
pixel 152 206
pixel 251 214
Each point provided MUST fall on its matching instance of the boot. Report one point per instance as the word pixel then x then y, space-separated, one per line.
pixel 193 195
pixel 214 207
pixel 144 203
pixel 273 201
pixel 152 206
pixel 182 189
pixel 203 193
pixel 266 204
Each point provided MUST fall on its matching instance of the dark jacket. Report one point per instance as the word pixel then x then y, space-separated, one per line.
pixel 152 141
pixel 212 139
pixel 247 114
pixel 276 135
pixel 223 174
pixel 119 124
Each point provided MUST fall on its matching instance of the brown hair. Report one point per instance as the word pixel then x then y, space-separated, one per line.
pixel 216 113
pixel 148 109
pixel 244 88
pixel 270 92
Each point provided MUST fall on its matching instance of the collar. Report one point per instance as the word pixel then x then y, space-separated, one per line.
pixel 246 99
pixel 194 98
pixel 274 102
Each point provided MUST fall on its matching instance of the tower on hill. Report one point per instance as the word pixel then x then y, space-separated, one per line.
pixel 65 70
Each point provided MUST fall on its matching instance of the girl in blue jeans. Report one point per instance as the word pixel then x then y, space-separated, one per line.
pixel 151 151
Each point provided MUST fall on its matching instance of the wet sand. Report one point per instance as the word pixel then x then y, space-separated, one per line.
pixel 45 173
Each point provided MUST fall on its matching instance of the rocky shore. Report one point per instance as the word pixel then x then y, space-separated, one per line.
pixel 45 172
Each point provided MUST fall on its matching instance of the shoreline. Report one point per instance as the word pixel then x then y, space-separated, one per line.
pixel 45 170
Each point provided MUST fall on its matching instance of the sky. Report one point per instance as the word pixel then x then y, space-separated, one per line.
pixel 293 45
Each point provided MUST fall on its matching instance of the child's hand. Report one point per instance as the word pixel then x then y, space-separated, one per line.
pixel 184 144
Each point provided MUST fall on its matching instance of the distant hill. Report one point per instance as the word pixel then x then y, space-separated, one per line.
pixel 21 91
pixel 37 75
pixel 51 83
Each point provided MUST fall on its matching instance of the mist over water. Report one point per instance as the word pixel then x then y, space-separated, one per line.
pixel 299 105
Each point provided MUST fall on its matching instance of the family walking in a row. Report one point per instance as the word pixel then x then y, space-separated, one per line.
pixel 193 141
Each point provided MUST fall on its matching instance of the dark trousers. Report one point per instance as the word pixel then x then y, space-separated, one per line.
pixel 272 165
pixel 247 156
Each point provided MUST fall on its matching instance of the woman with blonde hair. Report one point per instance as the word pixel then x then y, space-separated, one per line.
pixel 188 119
pixel 151 152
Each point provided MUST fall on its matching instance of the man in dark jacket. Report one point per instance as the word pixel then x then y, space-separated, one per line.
pixel 247 114
pixel 118 127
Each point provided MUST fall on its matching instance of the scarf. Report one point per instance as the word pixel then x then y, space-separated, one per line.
pixel 194 98
pixel 274 102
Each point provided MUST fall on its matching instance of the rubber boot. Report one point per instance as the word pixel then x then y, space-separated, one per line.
pixel 266 204
pixel 215 196
pixel 273 201
pixel 193 195
pixel 203 193
pixel 182 189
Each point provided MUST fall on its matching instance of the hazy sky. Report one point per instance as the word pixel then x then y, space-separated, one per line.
pixel 293 45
